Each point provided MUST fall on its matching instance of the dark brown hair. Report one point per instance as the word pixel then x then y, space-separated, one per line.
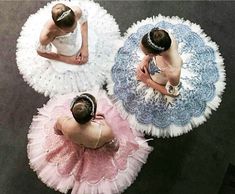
pixel 67 21
pixel 158 37
pixel 82 108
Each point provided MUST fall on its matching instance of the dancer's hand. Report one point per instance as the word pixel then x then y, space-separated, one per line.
pixel 144 62
pixel 113 145
pixel 82 56
pixel 141 65
pixel 143 75
pixel 70 59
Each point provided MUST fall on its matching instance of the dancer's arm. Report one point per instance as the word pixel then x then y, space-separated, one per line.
pixel 143 75
pixel 144 62
pixel 58 126
pixel 44 50
pixel 83 53
pixel 158 87
pixel 84 49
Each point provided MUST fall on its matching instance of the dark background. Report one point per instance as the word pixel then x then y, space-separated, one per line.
pixel 194 163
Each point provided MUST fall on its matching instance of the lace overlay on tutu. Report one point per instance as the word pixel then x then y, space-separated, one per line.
pixel 64 165
pixel 202 80
pixel 52 77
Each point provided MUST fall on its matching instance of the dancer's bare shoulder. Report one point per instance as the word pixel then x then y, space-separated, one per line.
pixel 77 11
pixel 48 33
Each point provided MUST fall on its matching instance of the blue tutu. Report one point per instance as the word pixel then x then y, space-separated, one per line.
pixel 202 79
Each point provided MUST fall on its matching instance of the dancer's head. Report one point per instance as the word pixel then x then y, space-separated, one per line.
pixel 64 17
pixel 83 108
pixel 155 42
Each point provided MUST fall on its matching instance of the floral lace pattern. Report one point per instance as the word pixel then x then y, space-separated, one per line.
pixel 199 75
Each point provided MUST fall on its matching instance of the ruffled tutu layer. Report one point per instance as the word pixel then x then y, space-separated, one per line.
pixel 63 165
pixel 202 77
pixel 53 77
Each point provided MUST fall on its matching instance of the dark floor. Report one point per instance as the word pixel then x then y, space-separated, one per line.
pixel 194 163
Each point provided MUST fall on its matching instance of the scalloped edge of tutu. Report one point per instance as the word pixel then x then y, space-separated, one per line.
pixel 124 178
pixel 75 87
pixel 48 171
pixel 51 93
pixel 49 175
pixel 174 130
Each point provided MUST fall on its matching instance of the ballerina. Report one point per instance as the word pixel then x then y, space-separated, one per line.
pixel 87 128
pixel 78 143
pixel 67 46
pixel 63 22
pixel 172 88
pixel 163 62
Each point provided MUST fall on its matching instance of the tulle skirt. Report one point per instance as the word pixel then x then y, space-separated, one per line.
pixel 63 165
pixel 52 77
pixel 202 78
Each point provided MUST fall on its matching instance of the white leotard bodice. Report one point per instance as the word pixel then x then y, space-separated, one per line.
pixel 69 44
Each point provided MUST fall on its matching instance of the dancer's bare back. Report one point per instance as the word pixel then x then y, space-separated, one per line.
pixel 93 134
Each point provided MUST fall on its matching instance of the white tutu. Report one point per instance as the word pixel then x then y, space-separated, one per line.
pixel 53 77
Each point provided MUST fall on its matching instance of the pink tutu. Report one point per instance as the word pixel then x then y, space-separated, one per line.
pixel 63 165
